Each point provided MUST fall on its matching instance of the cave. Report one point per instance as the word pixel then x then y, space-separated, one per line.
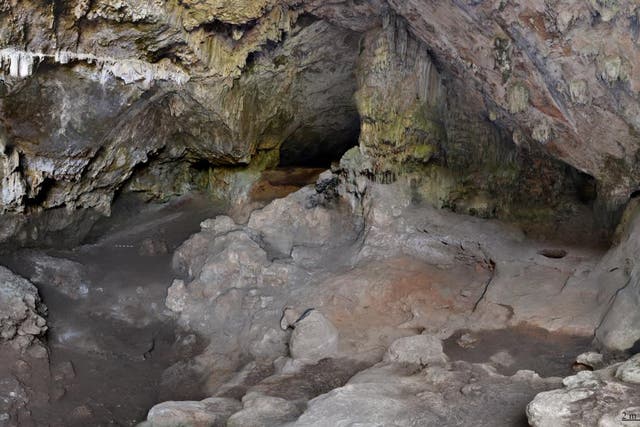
pixel 320 150
pixel 302 213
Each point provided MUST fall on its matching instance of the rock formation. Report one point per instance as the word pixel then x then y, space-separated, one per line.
pixel 130 93
pixel 608 396
pixel 21 310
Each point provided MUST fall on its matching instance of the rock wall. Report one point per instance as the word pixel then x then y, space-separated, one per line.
pixel 620 326
pixel 419 121
pixel 484 103
pixel 100 122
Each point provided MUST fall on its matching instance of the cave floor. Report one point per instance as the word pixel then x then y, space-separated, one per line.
pixel 111 337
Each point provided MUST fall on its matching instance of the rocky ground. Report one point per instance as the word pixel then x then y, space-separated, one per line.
pixel 368 292
pixel 108 337
pixel 346 302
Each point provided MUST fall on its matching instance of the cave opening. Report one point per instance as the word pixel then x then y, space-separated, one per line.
pixel 319 148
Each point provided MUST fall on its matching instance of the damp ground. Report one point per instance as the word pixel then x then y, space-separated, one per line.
pixel 110 341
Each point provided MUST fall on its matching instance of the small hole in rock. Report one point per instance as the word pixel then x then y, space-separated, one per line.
pixel 578 367
pixel 553 253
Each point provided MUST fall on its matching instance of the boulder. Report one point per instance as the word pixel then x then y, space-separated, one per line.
pixel 21 310
pixel 394 394
pixel 419 349
pixel 264 411
pixel 64 275
pixel 296 220
pixel 211 412
pixel 591 359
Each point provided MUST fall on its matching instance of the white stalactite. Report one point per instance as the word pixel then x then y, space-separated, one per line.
pixel 21 64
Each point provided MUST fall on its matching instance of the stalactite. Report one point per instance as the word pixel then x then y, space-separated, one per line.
pixel 22 64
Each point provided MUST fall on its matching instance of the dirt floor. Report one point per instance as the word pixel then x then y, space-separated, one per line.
pixel 109 347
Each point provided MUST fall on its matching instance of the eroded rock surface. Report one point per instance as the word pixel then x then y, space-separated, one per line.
pixel 381 269
pixel 403 391
pixel 21 310
pixel 314 338
pixel 620 327
pixel 179 92
pixel 609 396
pixel 210 412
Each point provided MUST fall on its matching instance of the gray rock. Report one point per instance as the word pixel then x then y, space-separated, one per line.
pixel 21 310
pixel 264 411
pixel 219 225
pixel 398 395
pixel 589 398
pixel 287 222
pixel 211 412
pixel 314 338
pixel 419 349
pixel 176 296
pixel 620 271
pixel 64 275
pixel 592 359
pixel 629 371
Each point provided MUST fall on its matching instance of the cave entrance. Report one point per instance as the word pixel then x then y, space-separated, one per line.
pixel 307 153
pixel 319 146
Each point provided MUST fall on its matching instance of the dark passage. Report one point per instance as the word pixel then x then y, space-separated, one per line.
pixel 319 147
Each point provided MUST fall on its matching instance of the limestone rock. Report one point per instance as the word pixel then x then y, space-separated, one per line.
pixel 394 394
pixel 620 328
pixel 591 359
pixel 418 349
pixel 219 225
pixel 21 310
pixel 130 115
pixel 263 411
pixel 295 225
pixel 64 275
pixel 82 162
pixel 589 398
pixel 176 296
pixel 211 412
pixel 314 338
pixel 629 371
